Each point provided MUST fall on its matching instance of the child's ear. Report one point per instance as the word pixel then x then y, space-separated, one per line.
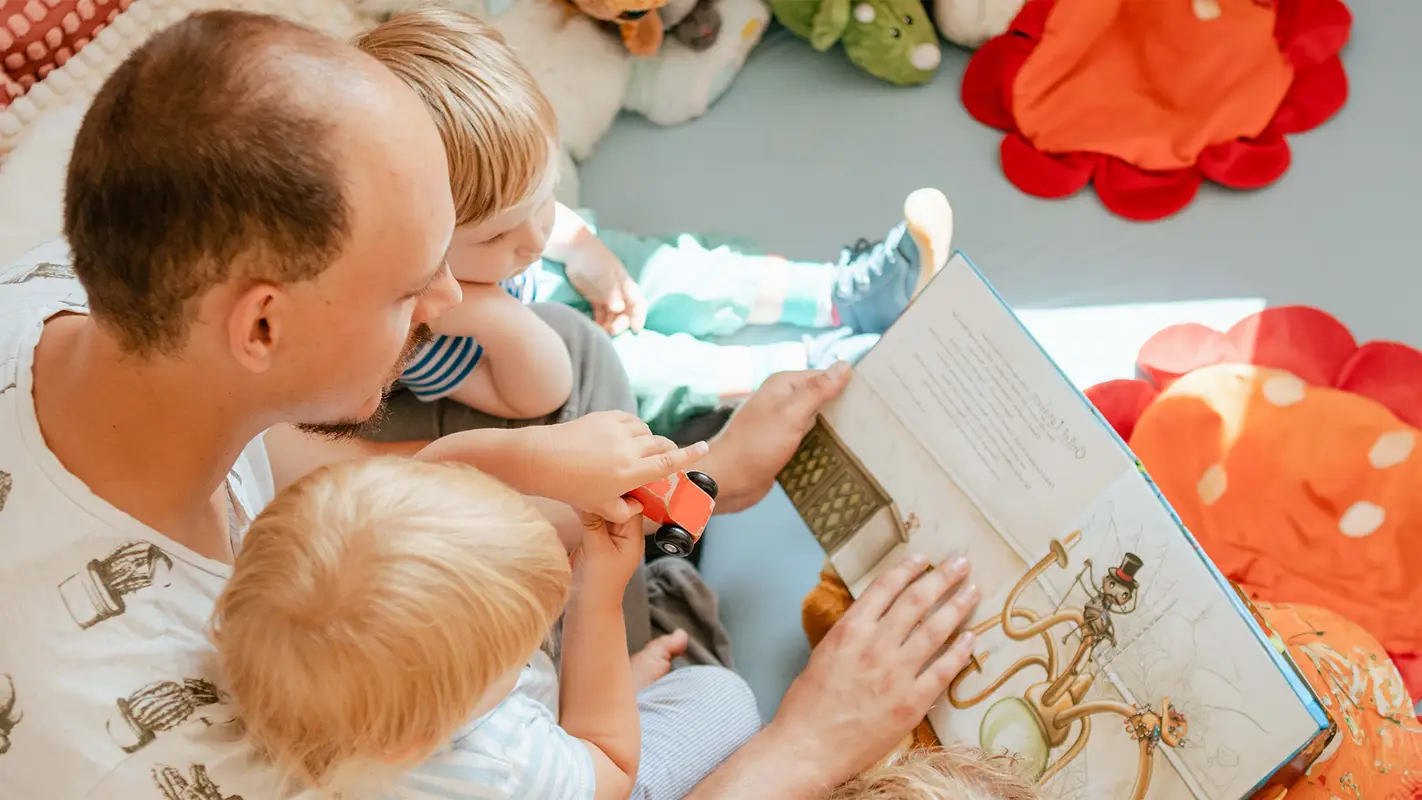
pixel 830 23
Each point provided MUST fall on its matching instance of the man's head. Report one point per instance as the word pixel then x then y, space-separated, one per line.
pixel 267 207
pixel 499 131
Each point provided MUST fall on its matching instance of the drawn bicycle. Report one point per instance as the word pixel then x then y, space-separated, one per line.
pixel 1042 720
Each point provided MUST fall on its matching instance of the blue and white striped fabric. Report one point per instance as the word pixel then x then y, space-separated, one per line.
pixel 444 362
pixel 515 752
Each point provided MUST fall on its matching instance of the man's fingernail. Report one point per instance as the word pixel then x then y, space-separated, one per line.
pixel 956 565
pixel 699 448
pixel 839 369
pixel 969 639
pixel 918 560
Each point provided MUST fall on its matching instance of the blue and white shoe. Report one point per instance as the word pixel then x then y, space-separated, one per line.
pixel 877 280
pixel 840 344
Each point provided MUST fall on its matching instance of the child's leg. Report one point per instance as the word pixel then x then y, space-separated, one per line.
pixel 678 377
pixel 707 287
pixel 692 720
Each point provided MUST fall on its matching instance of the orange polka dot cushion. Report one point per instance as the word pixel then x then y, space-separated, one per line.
pixel 36 36
pixel 54 52
pixel 1291 453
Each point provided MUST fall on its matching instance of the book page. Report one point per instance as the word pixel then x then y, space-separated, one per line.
pixel 960 372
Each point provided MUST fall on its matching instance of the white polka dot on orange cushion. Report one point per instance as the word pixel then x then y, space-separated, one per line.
pixel 1361 519
pixel 1212 484
pixel 1392 448
pixel 1284 390
pixel 35 10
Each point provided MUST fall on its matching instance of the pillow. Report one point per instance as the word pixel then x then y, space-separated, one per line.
pixel 38 35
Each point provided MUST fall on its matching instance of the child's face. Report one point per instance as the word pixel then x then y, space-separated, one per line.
pixel 508 242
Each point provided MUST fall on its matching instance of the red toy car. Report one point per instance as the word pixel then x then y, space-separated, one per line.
pixel 682 504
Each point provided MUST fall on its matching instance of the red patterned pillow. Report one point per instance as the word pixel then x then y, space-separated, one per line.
pixel 36 36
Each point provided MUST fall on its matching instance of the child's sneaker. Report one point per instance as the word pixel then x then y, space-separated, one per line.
pixel 841 344
pixel 877 280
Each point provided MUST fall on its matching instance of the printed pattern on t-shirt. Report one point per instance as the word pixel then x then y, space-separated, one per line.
pixel 444 362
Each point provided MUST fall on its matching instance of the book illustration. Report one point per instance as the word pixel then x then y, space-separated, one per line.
pixel 9 715
pixel 1042 720
pixel 834 493
pixel 162 706
pixel 97 593
pixel 194 786
pixel 6 482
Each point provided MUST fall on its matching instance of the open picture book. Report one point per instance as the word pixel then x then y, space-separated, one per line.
pixel 1112 660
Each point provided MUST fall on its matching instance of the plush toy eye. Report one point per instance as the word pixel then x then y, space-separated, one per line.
pixel 908 20
pixel 864 13
pixel 895 33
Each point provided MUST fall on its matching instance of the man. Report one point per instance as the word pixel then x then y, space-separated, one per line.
pixel 258 217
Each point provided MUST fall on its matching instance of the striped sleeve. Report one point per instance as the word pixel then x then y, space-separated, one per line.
pixel 523 286
pixel 440 366
pixel 518 752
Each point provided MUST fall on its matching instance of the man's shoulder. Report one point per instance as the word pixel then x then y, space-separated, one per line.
pixel 36 285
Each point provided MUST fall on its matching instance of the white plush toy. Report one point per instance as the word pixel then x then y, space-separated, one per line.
pixel 589 77
pixel 969 23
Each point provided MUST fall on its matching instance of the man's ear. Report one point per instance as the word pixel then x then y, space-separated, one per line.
pixel 830 23
pixel 254 326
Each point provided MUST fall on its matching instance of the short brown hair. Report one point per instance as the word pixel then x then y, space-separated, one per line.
pixel 498 127
pixel 952 772
pixel 195 160
pixel 372 605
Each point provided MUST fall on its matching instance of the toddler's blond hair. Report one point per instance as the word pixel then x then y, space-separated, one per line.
pixel 939 773
pixel 499 129
pixel 371 606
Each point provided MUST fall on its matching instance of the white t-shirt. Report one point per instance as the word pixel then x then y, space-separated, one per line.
pixel 104 689
pixel 105 669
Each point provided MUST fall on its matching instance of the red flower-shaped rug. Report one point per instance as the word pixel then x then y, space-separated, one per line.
pixel 1292 454
pixel 1146 99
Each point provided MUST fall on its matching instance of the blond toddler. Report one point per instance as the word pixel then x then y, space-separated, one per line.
pixel 381 635
pixel 668 302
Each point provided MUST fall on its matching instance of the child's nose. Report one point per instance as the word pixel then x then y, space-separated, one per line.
pixel 533 243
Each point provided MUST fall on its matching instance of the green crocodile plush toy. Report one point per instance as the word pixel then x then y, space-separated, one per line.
pixel 890 39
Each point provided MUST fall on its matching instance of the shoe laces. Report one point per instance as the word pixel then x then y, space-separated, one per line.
pixel 860 263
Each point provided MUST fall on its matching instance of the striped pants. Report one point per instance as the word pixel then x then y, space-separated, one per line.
pixel 692 720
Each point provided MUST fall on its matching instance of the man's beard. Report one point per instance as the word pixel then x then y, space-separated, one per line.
pixel 366 428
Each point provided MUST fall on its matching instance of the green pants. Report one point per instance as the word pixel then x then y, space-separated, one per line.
pixel 699 289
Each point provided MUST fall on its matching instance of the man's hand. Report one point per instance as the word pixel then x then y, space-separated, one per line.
pixel 599 276
pixel 591 462
pixel 765 431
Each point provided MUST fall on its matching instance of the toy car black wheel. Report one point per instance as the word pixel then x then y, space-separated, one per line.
pixel 704 481
pixel 674 541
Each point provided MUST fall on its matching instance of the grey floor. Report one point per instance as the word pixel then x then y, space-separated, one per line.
pixel 806 153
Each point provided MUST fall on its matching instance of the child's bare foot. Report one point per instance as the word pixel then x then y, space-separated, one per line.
pixel 653 662
pixel 877 280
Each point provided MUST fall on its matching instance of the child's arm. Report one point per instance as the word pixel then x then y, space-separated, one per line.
pixel 571 236
pixel 597 273
pixel 525 371
pixel 598 702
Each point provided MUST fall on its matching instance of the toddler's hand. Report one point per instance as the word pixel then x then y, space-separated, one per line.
pixel 609 555
pixel 591 462
pixel 600 277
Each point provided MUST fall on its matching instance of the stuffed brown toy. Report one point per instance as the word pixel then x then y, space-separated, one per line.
pixel 637 21
pixel 822 608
